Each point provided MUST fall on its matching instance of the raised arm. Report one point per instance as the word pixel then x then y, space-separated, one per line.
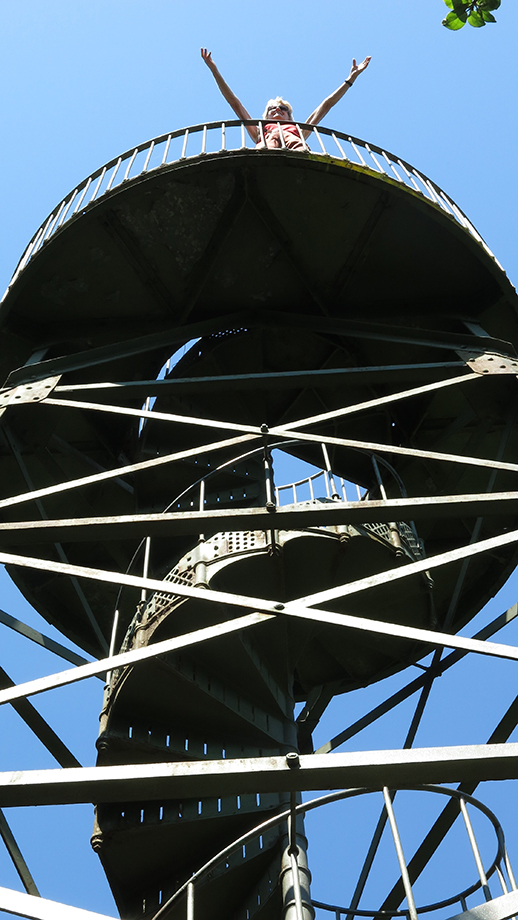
pixel 325 106
pixel 231 98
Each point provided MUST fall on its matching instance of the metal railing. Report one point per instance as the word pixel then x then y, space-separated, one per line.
pixel 500 865
pixel 223 137
pixel 335 487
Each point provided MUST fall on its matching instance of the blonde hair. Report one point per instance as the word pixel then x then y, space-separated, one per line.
pixel 278 101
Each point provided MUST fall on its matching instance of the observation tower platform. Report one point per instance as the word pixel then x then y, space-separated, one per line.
pixel 188 310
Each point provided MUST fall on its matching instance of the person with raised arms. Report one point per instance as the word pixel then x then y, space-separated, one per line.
pixel 280 110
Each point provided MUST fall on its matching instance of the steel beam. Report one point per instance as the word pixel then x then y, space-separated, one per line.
pixel 126 659
pixel 417 684
pixel 176 335
pixel 232 426
pixel 40 727
pixel 33 908
pixel 286 517
pixel 325 377
pixel 431 338
pixel 249 775
pixel 160 416
pixel 375 403
pixel 19 863
pixel 377 447
pixel 413 568
pixel 45 641
pixel 130 468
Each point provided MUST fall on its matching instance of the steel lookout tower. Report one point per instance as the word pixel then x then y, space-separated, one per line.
pixel 190 313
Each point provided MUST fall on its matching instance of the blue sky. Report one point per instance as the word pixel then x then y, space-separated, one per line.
pixel 84 81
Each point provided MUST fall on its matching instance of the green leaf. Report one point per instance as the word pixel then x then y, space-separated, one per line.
pixel 489 4
pixel 454 22
pixel 488 17
pixel 475 20
pixel 459 6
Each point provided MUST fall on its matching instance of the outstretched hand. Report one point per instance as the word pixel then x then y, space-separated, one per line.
pixel 206 55
pixel 357 69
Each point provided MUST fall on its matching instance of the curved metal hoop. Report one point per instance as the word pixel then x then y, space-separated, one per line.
pixel 500 857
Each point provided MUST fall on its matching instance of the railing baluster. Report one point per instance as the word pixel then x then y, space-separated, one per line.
pixel 326 481
pixel 509 870
pixel 52 227
pixel 130 164
pixel 501 879
pixel 184 146
pixel 45 228
pixel 301 134
pixel 190 901
pixel 319 139
pixel 357 152
pixel 371 154
pixel 146 164
pixel 334 493
pixel 243 138
pixel 400 856
pixel 475 849
pixel 82 198
pixel 65 212
pixel 409 176
pixel 378 478
pixel 268 479
pixel 145 567
pixel 114 173
pixel 446 201
pixel 223 136
pixel 112 643
pixel 204 139
pixel 166 151
pixel 344 155
pixel 98 186
pixel 391 166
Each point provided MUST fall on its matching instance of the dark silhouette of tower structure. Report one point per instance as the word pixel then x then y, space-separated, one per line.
pixel 185 313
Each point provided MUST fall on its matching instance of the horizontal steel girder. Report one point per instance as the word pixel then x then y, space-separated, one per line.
pixel 262 319
pixel 287 517
pixel 27 905
pixel 248 775
pixel 498 909
pixel 325 377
